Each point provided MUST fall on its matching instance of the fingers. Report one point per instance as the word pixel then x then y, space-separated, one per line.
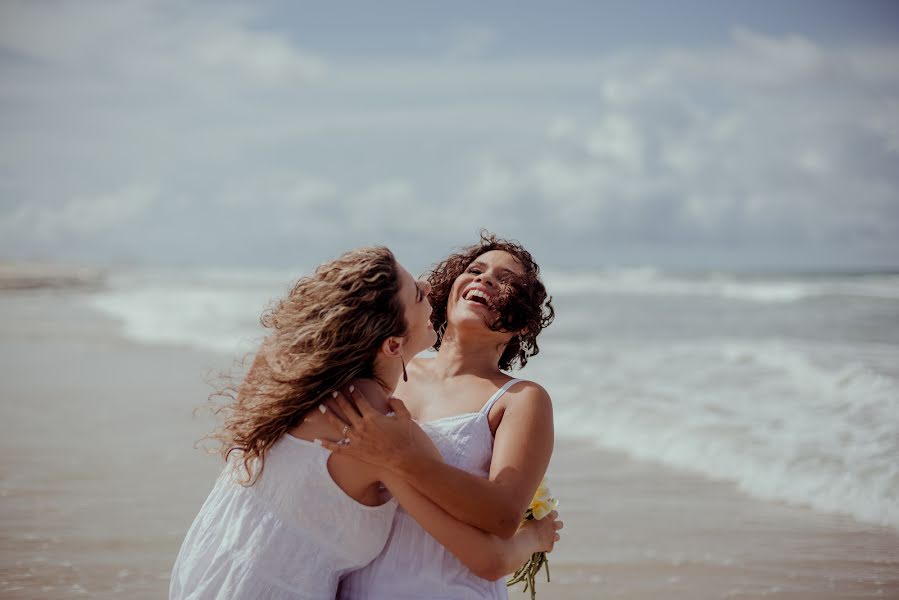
pixel 333 420
pixel 556 525
pixel 399 408
pixel 554 517
pixel 334 447
pixel 364 407
pixel 345 406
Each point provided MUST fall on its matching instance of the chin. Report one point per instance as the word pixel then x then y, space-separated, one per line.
pixel 470 320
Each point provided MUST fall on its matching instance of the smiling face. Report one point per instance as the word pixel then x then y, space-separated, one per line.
pixel 491 288
pixel 475 293
pixel 414 295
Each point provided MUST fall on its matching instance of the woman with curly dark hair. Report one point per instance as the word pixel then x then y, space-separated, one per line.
pixel 494 432
pixel 286 518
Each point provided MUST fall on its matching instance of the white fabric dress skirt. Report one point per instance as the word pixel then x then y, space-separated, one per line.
pixel 414 565
pixel 290 536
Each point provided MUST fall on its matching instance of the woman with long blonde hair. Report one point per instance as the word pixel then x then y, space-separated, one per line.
pixel 287 519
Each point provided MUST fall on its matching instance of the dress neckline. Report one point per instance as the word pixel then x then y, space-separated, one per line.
pixel 485 409
pixel 447 418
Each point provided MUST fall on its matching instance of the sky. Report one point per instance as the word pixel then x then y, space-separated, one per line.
pixel 686 134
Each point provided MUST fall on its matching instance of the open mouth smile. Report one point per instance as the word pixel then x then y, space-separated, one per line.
pixel 477 295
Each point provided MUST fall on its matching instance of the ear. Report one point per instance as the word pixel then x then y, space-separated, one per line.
pixel 393 346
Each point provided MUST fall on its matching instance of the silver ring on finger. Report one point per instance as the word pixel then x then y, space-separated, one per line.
pixel 343 433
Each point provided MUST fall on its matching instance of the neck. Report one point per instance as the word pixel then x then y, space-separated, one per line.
pixel 468 355
pixel 387 377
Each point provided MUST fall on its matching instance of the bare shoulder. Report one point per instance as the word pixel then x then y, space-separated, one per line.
pixel 530 393
pixel 527 411
pixel 527 400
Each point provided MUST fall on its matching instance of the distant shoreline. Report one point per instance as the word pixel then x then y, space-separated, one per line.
pixel 38 275
pixel 63 274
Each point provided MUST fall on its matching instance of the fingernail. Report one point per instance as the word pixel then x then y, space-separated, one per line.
pixel 322 408
pixel 317 442
pixel 334 394
pixel 352 387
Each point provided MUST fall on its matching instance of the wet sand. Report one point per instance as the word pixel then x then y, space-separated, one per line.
pixel 99 482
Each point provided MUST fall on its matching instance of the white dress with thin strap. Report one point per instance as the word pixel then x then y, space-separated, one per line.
pixel 414 565
pixel 290 536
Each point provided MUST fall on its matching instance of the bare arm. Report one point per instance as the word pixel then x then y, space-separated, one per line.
pixel 488 556
pixel 521 452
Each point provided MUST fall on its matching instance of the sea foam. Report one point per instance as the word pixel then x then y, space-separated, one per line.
pixel 649 281
pixel 761 414
pixel 748 380
pixel 213 310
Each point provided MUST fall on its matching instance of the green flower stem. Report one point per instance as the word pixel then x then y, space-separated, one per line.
pixel 528 573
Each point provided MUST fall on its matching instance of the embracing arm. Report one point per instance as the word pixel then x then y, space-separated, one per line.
pixel 521 452
pixel 488 556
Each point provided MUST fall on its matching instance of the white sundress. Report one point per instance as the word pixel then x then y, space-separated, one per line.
pixel 414 565
pixel 290 536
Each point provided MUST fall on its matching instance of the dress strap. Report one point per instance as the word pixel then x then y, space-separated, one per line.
pixel 498 395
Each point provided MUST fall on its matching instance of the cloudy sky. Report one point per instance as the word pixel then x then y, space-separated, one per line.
pixel 709 134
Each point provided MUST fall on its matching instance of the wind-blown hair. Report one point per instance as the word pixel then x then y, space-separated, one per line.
pixel 523 304
pixel 325 333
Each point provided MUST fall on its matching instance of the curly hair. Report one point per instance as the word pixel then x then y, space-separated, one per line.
pixel 325 333
pixel 524 307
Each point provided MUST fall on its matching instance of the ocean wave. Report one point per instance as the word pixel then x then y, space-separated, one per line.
pixel 761 414
pixel 207 309
pixel 809 422
pixel 649 281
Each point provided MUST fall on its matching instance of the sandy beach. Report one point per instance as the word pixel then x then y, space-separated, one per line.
pixel 99 481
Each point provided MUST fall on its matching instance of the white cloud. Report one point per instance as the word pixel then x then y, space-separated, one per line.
pixel 309 192
pixel 83 215
pixel 114 48
pixel 265 58
pixel 390 206
pixel 560 128
pixel 618 139
pixel 692 144
pixel 238 132
pixel 471 42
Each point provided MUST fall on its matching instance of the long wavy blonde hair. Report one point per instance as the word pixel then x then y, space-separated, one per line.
pixel 325 333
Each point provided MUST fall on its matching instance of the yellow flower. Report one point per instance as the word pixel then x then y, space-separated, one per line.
pixel 543 502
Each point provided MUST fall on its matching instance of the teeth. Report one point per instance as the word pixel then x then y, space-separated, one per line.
pixel 477 294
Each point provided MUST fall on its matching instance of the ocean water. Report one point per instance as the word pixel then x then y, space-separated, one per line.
pixel 786 385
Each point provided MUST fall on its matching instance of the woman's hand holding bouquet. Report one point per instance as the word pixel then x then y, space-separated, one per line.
pixel 542 505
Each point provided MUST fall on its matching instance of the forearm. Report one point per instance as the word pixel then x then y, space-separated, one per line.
pixel 521 450
pixel 488 556
pixel 483 503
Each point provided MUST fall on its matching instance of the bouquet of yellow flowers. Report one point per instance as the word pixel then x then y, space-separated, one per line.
pixel 542 504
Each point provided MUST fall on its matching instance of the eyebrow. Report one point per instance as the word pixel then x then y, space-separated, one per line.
pixel 478 263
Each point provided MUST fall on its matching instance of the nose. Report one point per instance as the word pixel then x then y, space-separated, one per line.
pixel 425 286
pixel 486 279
